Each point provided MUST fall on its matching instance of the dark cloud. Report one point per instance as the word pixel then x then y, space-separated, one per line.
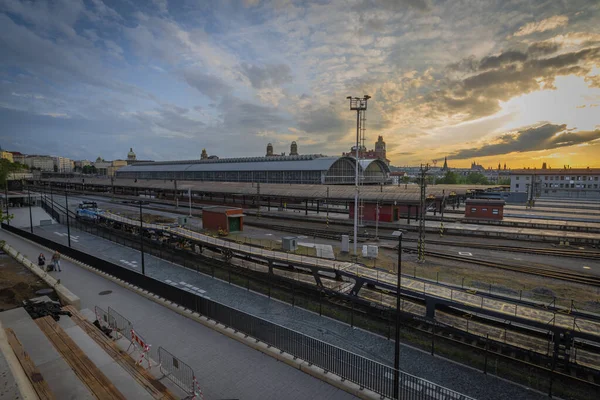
pixel 543 48
pixel 322 120
pixel 396 5
pixel 267 76
pixel 243 117
pixel 172 121
pixel 507 57
pixel 209 85
pixel 545 137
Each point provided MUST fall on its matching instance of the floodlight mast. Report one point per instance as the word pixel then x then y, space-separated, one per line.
pixel 359 105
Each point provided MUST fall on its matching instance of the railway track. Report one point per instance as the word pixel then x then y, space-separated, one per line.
pixel 531 269
pixel 336 235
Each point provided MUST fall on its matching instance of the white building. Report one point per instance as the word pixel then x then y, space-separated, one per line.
pixel 45 163
pixel 566 183
pixel 63 164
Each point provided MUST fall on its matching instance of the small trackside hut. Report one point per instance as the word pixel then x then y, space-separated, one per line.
pixel 226 219
pixel 484 209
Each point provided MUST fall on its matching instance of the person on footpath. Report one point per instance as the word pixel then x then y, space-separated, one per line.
pixel 56 261
pixel 41 260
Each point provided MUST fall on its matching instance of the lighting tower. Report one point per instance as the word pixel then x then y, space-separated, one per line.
pixel 359 105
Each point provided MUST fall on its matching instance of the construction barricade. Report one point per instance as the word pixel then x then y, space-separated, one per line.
pixel 120 324
pixel 102 317
pixel 139 344
pixel 179 373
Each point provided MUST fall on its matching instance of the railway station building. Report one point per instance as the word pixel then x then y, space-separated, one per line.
pixel 301 169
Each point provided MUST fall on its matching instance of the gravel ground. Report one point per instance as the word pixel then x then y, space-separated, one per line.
pixel 416 362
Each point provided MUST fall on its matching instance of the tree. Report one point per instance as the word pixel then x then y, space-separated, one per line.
pixel 405 179
pixel 504 181
pixel 449 179
pixel 55 168
pixel 477 178
pixel 6 168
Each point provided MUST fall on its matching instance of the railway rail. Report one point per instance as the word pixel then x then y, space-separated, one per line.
pixel 336 235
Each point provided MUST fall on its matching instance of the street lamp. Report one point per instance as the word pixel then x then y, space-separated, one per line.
pixel 142 239
pixel 397 348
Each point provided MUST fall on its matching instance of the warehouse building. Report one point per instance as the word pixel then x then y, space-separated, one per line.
pixel 297 169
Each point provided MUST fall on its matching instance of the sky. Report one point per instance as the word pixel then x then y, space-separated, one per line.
pixel 489 81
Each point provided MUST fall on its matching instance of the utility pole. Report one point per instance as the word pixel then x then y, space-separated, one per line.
pixel 442 212
pixel 398 306
pixel 67 212
pixel 190 198
pixel 423 210
pixel 142 240
pixel 6 198
pixel 377 221
pixel 30 217
pixel 258 200
pixel 360 106
pixel 327 207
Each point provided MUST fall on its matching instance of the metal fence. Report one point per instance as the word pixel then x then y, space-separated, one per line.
pixel 102 317
pixel 177 371
pixel 362 371
pixel 119 323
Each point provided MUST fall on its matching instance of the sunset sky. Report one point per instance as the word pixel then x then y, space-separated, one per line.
pixel 475 80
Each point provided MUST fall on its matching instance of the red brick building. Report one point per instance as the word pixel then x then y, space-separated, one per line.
pixel 484 209
pixel 229 219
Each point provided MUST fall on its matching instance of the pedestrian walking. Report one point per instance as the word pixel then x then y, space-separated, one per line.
pixel 41 260
pixel 56 261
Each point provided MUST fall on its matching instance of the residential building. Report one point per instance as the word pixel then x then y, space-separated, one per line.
pixel 18 157
pixel 565 183
pixel 6 155
pixel 79 164
pixel 44 163
pixel 63 164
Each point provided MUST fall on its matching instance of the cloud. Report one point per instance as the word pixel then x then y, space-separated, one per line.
pixel 544 137
pixel 209 85
pixel 593 81
pixel 543 48
pixel 543 25
pixel 267 76
pixel 397 5
pixel 508 57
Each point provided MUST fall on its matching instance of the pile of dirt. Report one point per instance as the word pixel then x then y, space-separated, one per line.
pixel 18 284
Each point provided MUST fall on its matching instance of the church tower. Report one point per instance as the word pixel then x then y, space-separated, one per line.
pixel 380 151
pixel 204 155
pixel 445 167
pixel 269 150
pixel 294 149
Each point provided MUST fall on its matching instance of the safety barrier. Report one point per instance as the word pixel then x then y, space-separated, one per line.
pixel 102 317
pixel 121 325
pixel 349 366
pixel 138 343
pixel 179 373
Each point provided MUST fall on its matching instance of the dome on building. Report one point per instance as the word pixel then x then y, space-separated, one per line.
pixel 131 154
pixel 99 159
